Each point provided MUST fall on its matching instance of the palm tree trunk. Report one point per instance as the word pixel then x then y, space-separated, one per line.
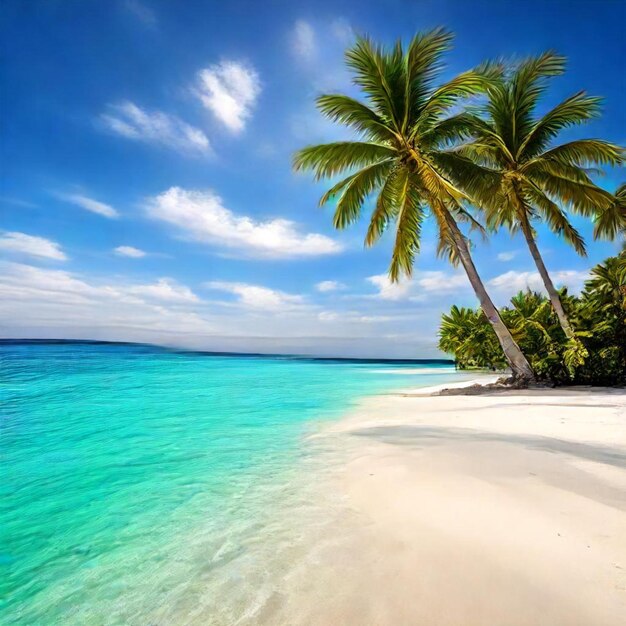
pixel 517 361
pixel 545 277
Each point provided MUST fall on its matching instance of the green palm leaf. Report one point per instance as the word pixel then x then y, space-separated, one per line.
pixel 329 159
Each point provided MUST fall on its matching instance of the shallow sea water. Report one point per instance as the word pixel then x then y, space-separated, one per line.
pixel 148 486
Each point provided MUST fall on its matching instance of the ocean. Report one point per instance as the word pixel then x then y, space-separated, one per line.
pixel 142 485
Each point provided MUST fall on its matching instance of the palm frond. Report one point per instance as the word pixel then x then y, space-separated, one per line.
pixel 446 245
pixel 584 198
pixel 410 217
pixel 611 222
pixel 361 185
pixel 487 133
pixel 482 154
pixel 386 205
pixel 587 152
pixel 527 85
pixel 447 95
pixel 422 63
pixel 329 159
pixel 480 183
pixel 377 73
pixel 338 187
pixel 351 112
pixel 556 218
pixel 574 110
pixel 448 130
pixel 574 173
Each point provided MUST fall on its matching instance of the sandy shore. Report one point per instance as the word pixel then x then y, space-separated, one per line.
pixel 495 510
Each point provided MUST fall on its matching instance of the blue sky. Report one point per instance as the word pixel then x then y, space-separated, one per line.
pixel 147 192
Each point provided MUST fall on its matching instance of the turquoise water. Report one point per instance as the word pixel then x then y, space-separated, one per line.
pixel 133 475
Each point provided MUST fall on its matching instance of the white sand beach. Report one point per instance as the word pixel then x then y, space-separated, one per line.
pixel 503 509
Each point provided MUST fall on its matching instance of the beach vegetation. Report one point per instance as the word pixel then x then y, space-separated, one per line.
pixel 526 177
pixel 404 122
pixel 598 319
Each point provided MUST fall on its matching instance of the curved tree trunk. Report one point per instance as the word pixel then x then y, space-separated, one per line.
pixel 545 277
pixel 517 361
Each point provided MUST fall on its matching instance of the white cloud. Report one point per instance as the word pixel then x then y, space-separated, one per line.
pixel 37 302
pixel 422 284
pixel 142 12
pixel 73 289
pixel 155 127
pixel 260 298
pixel 31 245
pixel 229 90
pixel 129 251
pixel 388 290
pixel 329 285
pixel 303 40
pixel 328 316
pixel 354 317
pixel 201 216
pixel 51 303
pixel 89 204
pixel 441 282
pixel 507 256
pixel 513 281
pixel 165 289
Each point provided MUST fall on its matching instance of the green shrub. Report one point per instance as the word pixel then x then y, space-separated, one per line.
pixel 597 354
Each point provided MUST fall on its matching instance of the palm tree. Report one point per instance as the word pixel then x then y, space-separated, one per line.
pixel 524 175
pixel 402 126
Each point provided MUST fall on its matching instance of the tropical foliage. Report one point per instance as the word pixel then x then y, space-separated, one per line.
pixel 598 317
pixel 523 175
pixel 405 122
pixel 430 149
pixel 611 223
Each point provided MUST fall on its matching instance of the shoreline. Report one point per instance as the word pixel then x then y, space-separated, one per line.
pixel 501 508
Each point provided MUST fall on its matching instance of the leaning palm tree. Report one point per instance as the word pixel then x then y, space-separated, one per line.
pixel 527 177
pixel 402 125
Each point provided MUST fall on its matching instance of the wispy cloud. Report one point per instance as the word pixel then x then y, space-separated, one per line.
pixel 74 305
pixel 326 286
pixel 141 12
pixel 422 284
pixel 89 204
pixel 129 251
pixel 164 290
pixel 65 287
pixel 43 302
pixel 388 290
pixel 303 41
pixel 155 127
pixel 258 297
pixel 31 245
pixel 509 283
pixel 202 216
pixel 342 30
pixel 229 90
pixel 507 256
pixel 19 202
pixel 355 317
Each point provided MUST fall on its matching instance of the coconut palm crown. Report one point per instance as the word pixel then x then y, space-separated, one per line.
pixel 524 175
pixel 402 124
